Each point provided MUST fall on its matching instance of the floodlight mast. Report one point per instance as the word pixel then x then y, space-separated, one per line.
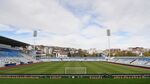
pixel 34 36
pixel 108 35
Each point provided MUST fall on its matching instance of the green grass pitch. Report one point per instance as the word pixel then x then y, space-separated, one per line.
pixel 74 81
pixel 59 68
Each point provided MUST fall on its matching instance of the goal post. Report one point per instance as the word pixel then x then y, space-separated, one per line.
pixel 75 70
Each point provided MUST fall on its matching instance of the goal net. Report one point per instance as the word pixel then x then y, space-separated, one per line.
pixel 75 70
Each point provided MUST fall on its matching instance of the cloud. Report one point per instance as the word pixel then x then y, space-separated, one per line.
pixel 79 23
pixel 44 15
pixel 5 28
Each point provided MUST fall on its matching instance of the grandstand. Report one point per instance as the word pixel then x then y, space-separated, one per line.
pixel 50 59
pixel 136 61
pixel 11 53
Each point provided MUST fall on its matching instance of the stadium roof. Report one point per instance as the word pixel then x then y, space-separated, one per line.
pixel 8 41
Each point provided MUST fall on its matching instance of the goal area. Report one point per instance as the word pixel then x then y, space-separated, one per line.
pixel 75 70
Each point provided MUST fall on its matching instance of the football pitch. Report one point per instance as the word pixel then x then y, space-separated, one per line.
pixel 59 68
pixel 74 81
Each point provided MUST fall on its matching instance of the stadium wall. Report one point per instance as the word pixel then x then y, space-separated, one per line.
pixel 89 76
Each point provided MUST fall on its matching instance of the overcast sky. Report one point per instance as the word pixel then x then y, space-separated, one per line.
pixel 77 23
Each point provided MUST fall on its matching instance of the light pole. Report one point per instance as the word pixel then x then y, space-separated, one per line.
pixel 108 35
pixel 34 36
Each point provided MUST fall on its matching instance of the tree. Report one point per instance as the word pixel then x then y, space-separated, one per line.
pixel 82 53
pixel 69 54
pixel 146 53
pixel 129 53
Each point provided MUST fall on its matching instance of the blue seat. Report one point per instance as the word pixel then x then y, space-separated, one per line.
pixel 9 53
